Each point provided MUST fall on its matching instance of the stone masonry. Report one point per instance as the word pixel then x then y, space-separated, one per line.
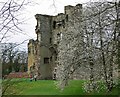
pixel 43 52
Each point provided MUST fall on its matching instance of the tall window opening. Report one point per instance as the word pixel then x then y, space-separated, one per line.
pixel 54 24
pixel 50 40
pixel 67 18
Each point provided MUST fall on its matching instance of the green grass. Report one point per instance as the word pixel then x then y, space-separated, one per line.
pixel 74 88
pixel 48 87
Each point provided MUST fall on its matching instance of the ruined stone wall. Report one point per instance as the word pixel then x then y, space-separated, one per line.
pixel 54 33
pixel 44 35
pixel 69 39
pixel 31 54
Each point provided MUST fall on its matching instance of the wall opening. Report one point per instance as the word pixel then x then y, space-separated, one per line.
pixel 67 18
pixel 63 22
pixel 50 40
pixel 51 59
pixel 46 60
pixel 54 24
pixel 29 50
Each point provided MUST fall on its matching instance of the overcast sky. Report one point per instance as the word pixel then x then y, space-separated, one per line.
pixel 40 7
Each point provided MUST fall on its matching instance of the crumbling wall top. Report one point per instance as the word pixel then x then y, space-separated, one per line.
pixel 31 41
pixel 37 16
pixel 70 8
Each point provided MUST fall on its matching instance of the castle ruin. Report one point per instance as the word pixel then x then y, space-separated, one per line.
pixel 43 52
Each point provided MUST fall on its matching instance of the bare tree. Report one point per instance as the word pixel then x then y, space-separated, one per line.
pixel 103 15
pixel 13 58
pixel 10 12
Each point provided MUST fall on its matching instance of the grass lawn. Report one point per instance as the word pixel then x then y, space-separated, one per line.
pixel 48 87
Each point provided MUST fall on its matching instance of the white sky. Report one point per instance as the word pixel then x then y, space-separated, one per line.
pixel 41 7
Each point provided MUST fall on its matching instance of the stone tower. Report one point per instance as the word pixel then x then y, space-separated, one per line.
pixel 50 30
